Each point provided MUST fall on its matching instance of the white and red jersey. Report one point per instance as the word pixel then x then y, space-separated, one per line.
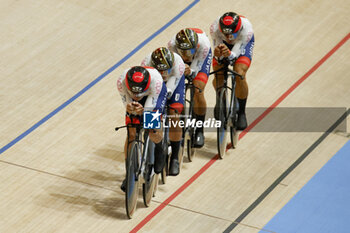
pixel 202 50
pixel 239 43
pixel 155 93
pixel 173 78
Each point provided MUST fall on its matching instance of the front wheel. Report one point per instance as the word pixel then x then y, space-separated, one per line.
pixel 132 179
pixel 221 104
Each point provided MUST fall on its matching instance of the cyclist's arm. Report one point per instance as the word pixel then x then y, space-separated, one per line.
pixel 199 59
pixel 172 46
pixel 147 60
pixel 214 33
pixel 243 39
pixel 176 74
pixel 126 98
pixel 157 98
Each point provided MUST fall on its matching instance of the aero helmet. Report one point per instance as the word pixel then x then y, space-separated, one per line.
pixel 230 23
pixel 137 79
pixel 186 39
pixel 162 59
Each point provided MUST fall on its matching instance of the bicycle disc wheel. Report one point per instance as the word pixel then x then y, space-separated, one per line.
pixel 132 181
pixel 222 130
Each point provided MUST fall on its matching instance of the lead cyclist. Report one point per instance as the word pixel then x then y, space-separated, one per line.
pixel 142 88
pixel 233 38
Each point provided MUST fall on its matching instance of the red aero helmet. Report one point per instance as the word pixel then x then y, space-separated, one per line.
pixel 137 79
pixel 230 23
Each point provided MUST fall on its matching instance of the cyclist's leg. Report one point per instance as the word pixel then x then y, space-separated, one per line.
pixel 200 104
pixel 200 81
pixel 131 132
pixel 176 102
pixel 132 135
pixel 241 67
pixel 199 107
pixel 218 82
pixel 219 76
pixel 175 136
pixel 156 135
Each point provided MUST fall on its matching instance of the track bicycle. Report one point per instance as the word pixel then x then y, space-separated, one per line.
pixel 226 107
pixel 139 168
pixel 188 134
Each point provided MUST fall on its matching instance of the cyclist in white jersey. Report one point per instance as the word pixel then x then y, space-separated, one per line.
pixel 233 38
pixel 142 89
pixel 193 45
pixel 171 67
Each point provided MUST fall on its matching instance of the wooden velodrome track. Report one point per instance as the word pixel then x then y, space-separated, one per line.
pixel 61 161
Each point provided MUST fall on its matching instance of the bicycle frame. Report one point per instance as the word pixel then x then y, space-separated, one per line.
pixel 223 111
pixel 188 140
pixel 226 73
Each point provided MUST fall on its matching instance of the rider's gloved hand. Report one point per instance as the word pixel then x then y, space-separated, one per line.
pixel 217 51
pixel 188 70
pixel 226 52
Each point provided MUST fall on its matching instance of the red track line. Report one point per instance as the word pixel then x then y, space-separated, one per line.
pixel 294 86
pixel 242 134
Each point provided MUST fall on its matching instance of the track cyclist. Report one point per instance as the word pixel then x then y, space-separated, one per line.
pixel 172 68
pixel 142 88
pixel 193 45
pixel 233 38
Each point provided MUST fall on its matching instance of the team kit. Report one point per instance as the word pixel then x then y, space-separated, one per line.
pixel 154 91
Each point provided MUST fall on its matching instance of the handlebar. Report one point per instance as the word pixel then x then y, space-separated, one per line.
pixel 226 62
pixel 130 125
pixel 190 78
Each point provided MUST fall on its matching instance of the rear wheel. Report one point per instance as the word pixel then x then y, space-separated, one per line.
pixel 149 176
pixel 234 137
pixel 188 133
pixel 164 172
pixel 233 111
pixel 190 145
pixel 148 186
pixel 156 178
pixel 132 181
pixel 221 104
pixel 181 152
pixel 233 116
